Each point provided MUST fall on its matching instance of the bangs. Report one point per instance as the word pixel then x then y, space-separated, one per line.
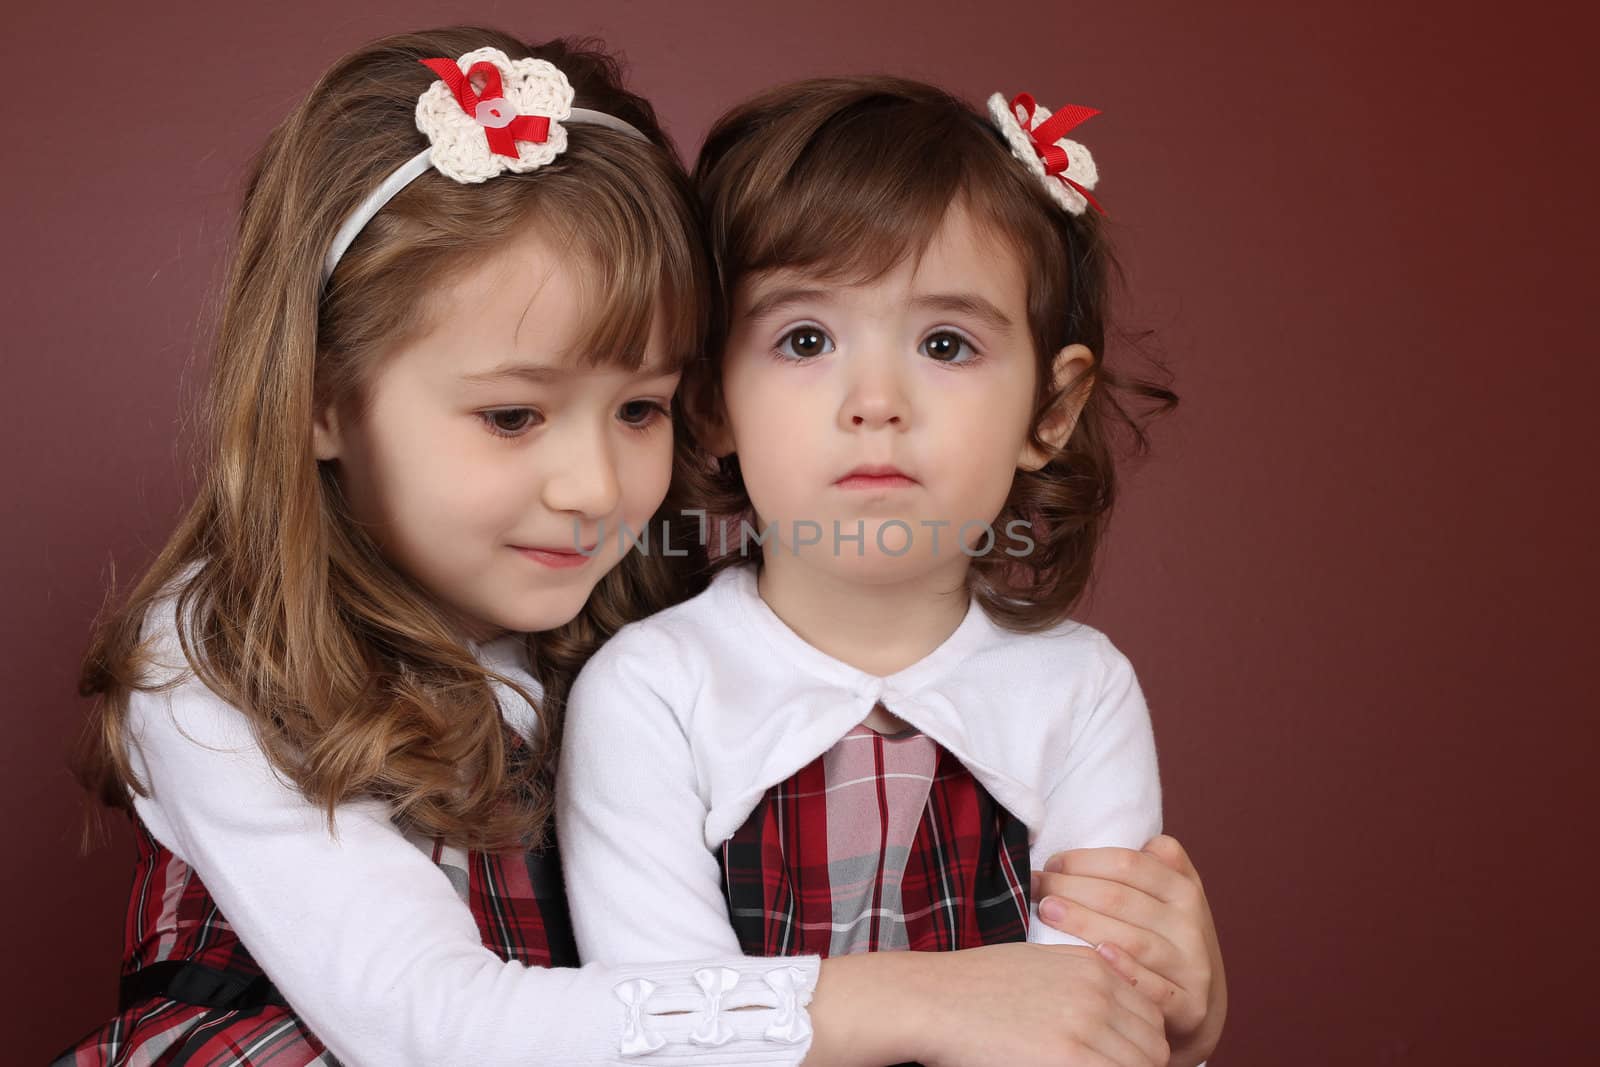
pixel 863 193
pixel 619 213
pixel 633 237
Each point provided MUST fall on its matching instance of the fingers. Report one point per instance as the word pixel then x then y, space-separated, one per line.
pixel 1130 1031
pixel 1142 1008
pixel 1157 990
pixel 1142 1047
pixel 1152 951
pixel 1137 1031
pixel 1138 870
pixel 1089 1057
pixel 1113 899
pixel 1166 848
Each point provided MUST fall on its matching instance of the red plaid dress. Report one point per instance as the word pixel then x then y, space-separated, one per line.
pixel 193 997
pixel 880 843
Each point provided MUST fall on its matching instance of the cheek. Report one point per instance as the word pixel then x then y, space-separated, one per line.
pixel 422 473
pixel 775 411
pixel 981 439
pixel 645 472
pixel 775 456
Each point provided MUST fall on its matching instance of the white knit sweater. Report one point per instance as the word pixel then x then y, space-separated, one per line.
pixel 681 723
pixel 369 943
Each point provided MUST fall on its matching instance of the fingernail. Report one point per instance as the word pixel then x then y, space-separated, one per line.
pixel 1033 885
pixel 1054 865
pixel 1107 952
pixel 1052 909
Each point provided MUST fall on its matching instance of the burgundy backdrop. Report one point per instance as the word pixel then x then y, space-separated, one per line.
pixel 1351 578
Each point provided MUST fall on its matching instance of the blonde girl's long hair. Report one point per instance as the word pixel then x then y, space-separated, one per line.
pixel 353 681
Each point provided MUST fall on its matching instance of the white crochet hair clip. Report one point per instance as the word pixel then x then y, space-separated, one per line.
pixel 1038 138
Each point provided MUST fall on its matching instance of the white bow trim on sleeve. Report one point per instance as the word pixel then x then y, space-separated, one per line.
pixel 637 1039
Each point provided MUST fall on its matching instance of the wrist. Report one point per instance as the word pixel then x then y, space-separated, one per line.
pixel 876 1008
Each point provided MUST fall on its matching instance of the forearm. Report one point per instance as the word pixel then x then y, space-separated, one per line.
pixel 874 1009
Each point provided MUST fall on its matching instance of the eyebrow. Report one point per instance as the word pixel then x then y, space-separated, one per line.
pixel 788 296
pixel 537 375
pixel 527 372
pixel 966 304
pixel 959 303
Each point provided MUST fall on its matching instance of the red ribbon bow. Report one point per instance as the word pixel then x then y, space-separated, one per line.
pixel 502 126
pixel 1045 135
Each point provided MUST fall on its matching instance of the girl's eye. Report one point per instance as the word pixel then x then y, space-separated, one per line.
pixel 643 414
pixel 947 347
pixel 510 422
pixel 805 342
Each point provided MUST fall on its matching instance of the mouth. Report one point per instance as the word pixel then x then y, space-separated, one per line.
pixel 557 557
pixel 876 476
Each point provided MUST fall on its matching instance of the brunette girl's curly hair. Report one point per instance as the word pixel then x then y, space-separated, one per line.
pixel 843 178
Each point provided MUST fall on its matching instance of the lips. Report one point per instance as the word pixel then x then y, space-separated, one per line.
pixel 563 556
pixel 875 476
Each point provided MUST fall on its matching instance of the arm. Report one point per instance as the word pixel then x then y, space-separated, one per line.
pixel 641 884
pixel 1147 911
pixel 368 942
pixel 1112 882
pixel 1109 792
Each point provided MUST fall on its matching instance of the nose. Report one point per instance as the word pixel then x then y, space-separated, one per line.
pixel 583 479
pixel 876 394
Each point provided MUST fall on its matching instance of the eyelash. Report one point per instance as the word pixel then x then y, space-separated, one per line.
pixel 656 412
pixel 779 354
pixel 784 340
pixel 963 340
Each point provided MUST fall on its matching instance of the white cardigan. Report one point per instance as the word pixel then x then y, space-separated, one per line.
pixel 681 723
pixel 369 942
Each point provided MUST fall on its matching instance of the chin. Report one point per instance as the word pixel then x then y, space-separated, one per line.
pixel 547 616
pixel 873 567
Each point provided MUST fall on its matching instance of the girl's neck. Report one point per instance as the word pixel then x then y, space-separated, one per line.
pixel 879 629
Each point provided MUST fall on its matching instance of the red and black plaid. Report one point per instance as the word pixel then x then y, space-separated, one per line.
pixel 193 997
pixel 793 888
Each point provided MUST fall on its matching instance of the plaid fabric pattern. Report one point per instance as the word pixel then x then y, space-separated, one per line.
pixel 515 896
pixel 880 843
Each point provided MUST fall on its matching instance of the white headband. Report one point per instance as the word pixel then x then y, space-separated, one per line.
pixel 514 123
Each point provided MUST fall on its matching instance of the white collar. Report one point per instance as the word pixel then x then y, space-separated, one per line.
pixel 739 585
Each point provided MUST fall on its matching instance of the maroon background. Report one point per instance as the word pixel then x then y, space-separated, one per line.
pixel 1352 578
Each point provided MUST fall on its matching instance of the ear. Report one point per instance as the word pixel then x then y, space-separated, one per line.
pixel 1072 362
pixel 326 441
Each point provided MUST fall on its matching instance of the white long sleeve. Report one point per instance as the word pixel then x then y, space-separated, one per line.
pixel 644 886
pixel 1109 791
pixel 370 944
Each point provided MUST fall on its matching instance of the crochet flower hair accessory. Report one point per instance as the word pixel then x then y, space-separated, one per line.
pixel 486 114
pixel 1038 138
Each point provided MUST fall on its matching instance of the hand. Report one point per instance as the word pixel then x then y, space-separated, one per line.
pixel 1147 914
pixel 1021 1005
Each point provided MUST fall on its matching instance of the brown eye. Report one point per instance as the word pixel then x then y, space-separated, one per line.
pixel 947 347
pixel 805 342
pixel 510 422
pixel 640 414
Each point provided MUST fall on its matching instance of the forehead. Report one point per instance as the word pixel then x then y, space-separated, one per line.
pixel 962 253
pixel 527 304
pixel 545 296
